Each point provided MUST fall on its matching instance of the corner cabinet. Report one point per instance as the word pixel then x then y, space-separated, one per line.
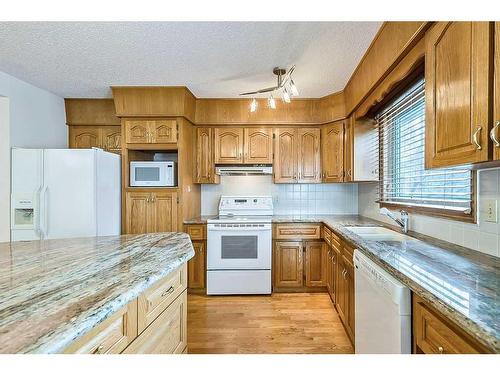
pixel 297 156
pixel 148 212
pixel 458 66
pixel 332 151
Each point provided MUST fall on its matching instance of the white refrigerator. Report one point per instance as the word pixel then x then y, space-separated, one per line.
pixel 64 193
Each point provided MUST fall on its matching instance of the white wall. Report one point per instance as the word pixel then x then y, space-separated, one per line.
pixel 483 236
pixel 4 170
pixel 289 199
pixel 37 120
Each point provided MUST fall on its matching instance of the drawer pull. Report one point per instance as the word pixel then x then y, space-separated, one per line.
pixel 168 291
pixel 441 350
pixel 98 350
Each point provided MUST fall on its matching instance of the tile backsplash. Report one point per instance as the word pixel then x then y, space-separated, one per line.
pixel 289 199
pixel 483 236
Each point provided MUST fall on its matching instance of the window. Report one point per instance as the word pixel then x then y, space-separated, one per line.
pixel 403 179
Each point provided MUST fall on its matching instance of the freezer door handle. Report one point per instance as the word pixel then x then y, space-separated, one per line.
pixel 37 212
pixel 43 212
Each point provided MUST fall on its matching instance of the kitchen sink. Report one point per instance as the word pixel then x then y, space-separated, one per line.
pixel 378 234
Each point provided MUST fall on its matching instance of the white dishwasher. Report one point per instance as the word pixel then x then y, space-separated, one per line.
pixel 382 310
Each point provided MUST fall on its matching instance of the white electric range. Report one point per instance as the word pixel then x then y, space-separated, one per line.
pixel 240 246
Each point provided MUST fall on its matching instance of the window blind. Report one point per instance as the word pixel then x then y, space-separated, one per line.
pixel 403 178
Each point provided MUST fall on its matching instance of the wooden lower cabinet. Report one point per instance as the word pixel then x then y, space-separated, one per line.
pixel 288 264
pixel 197 266
pixel 167 334
pixel 315 264
pixel 149 212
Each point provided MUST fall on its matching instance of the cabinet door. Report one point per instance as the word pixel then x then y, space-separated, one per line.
pixel 137 212
pixel 137 131
pixel 228 145
pixel 457 74
pixel 329 264
pixel 258 146
pixel 285 155
pixel 84 136
pixel 348 150
pixel 163 131
pixel 341 291
pixel 315 266
pixel 204 168
pixel 308 155
pixel 196 266
pixel 164 212
pixel 111 138
pixel 288 265
pixel 336 270
pixel 349 300
pixel 495 132
pixel 332 142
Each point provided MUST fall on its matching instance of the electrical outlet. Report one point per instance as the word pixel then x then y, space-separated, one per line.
pixel 490 210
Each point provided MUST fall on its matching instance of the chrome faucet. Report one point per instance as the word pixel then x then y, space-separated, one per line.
pixel 402 222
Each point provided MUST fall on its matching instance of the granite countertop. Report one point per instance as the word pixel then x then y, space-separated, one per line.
pixel 54 291
pixel 461 283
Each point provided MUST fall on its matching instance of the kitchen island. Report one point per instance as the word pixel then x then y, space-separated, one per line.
pixel 91 295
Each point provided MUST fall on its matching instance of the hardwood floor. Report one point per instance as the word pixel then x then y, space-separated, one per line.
pixel 281 323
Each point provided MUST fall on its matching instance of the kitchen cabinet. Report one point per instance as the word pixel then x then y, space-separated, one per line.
pixel 288 264
pixel 243 145
pixel 197 266
pixel 349 149
pixel 228 145
pixel 308 155
pixel 148 212
pixel 345 289
pixel 435 334
pixel 315 264
pixel 457 93
pixel 332 151
pixel 205 166
pixel 150 131
pixel 258 146
pixel 495 131
pixel 331 264
pixel 297 156
pixel 106 137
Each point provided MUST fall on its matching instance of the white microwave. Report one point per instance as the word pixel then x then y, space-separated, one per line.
pixel 153 173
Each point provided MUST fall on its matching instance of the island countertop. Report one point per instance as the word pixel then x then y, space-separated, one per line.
pixel 54 291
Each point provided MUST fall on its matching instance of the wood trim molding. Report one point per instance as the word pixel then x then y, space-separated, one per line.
pixel 99 112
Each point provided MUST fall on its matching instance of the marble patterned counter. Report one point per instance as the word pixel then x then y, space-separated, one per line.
pixel 461 283
pixel 54 291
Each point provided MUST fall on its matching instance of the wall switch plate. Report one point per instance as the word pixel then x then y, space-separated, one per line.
pixel 490 210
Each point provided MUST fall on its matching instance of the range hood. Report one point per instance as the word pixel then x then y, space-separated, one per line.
pixel 243 170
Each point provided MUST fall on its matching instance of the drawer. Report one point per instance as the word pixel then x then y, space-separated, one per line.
pixel 167 334
pixel 297 231
pixel 327 235
pixel 196 231
pixel 155 299
pixel 335 240
pixel 347 251
pixel 111 336
pixel 434 335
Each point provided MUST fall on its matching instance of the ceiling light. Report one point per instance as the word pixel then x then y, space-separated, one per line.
pixel 271 102
pixel 253 105
pixel 293 88
pixel 286 96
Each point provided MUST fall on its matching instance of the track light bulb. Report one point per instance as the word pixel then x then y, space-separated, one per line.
pixel 271 102
pixel 253 105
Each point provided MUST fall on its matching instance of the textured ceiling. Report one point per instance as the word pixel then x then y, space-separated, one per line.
pixel 213 59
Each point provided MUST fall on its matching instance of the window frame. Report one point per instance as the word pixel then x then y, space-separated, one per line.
pixel 421 210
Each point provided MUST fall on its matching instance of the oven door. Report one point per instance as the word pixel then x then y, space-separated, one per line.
pixel 239 246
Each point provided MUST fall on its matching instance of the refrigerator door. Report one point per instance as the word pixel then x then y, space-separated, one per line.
pixel 26 185
pixel 68 196
pixel 108 193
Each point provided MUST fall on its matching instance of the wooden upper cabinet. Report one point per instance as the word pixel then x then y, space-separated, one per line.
pixel 150 131
pixel 148 212
pixel 288 264
pixel 495 132
pixel 285 155
pixel 457 90
pixel 258 146
pixel 111 138
pixel 315 265
pixel 332 147
pixel 228 145
pixel 204 166
pixel 84 136
pixel 348 150
pixel 308 155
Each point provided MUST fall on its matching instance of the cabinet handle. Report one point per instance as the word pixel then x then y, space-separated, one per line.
pixel 493 134
pixel 98 350
pixel 153 197
pixel 474 138
pixel 168 291
pixel 441 350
